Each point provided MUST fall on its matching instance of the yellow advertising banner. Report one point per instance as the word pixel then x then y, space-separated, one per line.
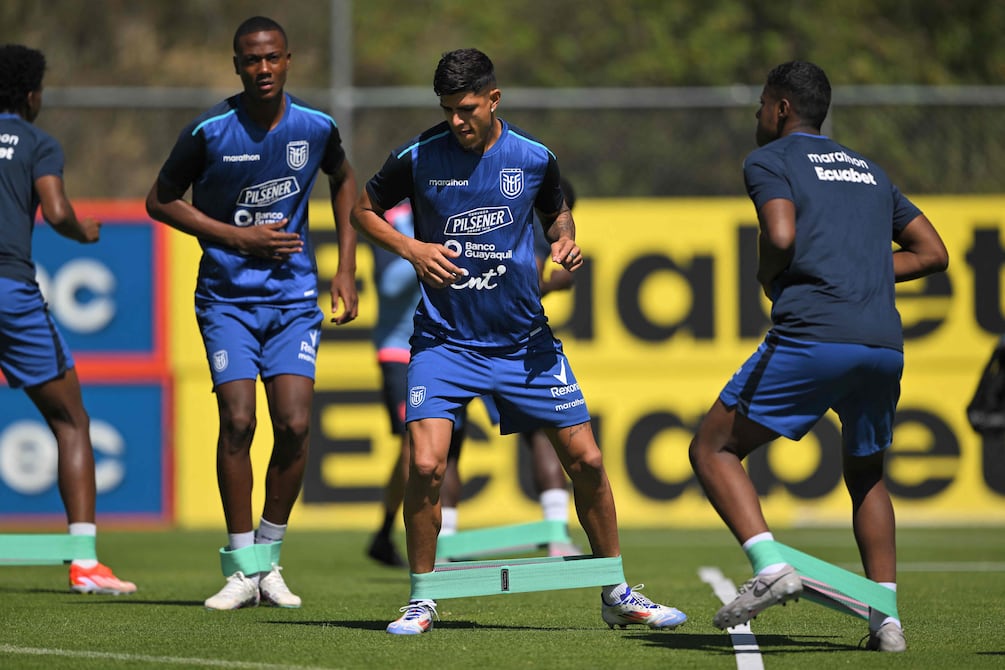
pixel 664 311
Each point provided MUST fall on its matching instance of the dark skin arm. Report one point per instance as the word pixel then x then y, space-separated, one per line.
pixel 776 242
pixel 343 285
pixel 57 210
pixel 921 251
pixel 166 204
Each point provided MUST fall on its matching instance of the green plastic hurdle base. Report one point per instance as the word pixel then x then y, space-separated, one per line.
pixel 40 549
pixel 501 540
pixel 520 575
pixel 839 589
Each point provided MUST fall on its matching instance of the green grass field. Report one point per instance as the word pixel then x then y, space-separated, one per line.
pixel 951 586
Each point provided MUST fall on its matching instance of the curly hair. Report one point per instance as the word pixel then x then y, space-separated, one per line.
pixel 21 70
pixel 807 87
pixel 257 24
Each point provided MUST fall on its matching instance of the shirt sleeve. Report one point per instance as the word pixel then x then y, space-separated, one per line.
pixel 549 198
pixel 904 211
pixel 186 161
pixel 49 160
pixel 334 152
pixel 393 183
pixel 765 180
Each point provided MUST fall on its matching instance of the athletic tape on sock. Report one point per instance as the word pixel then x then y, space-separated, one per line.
pixel 250 560
pixel 763 554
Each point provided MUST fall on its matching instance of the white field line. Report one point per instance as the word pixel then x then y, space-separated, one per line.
pixel 12 650
pixel 748 654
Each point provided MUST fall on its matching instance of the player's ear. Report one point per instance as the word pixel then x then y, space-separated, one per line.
pixel 237 69
pixel 495 95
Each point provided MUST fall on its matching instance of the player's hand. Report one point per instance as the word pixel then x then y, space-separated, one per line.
pixel 90 230
pixel 567 253
pixel 269 240
pixel 433 265
pixel 343 288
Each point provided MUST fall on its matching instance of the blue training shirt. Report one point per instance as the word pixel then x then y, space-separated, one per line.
pixel 246 175
pixel 839 286
pixel 481 205
pixel 26 153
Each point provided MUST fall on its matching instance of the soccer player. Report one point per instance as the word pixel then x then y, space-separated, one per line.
pixel 827 217
pixel 549 477
pixel 33 355
pixel 474 182
pixel 251 162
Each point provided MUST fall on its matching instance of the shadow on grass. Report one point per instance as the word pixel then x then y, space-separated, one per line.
pixel 381 625
pixel 766 644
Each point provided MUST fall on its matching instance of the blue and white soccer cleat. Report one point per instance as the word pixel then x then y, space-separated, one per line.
pixel 635 608
pixel 417 618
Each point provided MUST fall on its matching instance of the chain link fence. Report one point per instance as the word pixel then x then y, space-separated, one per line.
pixel 610 142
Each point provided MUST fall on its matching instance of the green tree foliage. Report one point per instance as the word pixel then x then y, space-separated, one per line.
pixel 547 43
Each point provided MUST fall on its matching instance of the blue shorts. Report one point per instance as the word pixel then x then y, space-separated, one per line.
pixel 787 385
pixel 395 394
pixel 32 350
pixel 245 341
pixel 532 387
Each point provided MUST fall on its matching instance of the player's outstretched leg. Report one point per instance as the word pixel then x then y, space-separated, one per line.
pixel 759 593
pixel 417 617
pixel 634 608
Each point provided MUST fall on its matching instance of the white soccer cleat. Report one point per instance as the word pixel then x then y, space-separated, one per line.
pixel 238 592
pixel 757 594
pixel 889 637
pixel 417 618
pixel 273 590
pixel 635 608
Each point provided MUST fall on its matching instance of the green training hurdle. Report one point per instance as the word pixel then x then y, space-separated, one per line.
pixel 839 589
pixel 43 549
pixel 520 575
pixel 501 540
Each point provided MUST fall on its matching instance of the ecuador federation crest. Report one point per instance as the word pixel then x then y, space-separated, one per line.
pixel 416 395
pixel 297 153
pixel 511 182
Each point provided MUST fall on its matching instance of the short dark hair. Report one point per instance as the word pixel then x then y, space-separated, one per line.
pixel 21 71
pixel 258 24
pixel 463 70
pixel 807 88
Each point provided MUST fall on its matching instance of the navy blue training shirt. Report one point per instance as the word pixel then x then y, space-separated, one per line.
pixel 245 175
pixel 839 286
pixel 26 153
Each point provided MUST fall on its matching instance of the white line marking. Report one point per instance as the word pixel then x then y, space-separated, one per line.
pixel 138 658
pixel 748 654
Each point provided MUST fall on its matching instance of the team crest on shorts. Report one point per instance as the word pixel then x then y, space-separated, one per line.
pixel 220 360
pixel 416 395
pixel 511 182
pixel 297 153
